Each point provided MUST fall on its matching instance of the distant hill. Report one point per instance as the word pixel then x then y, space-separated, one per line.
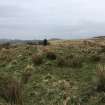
pixel 53 39
pixel 99 37
pixel 3 41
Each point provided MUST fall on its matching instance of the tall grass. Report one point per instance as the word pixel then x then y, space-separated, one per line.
pixel 70 61
pixel 10 90
pixel 26 74
pixel 100 77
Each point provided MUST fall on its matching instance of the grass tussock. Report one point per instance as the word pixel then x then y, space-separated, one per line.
pixel 10 90
pixel 75 61
pixel 100 77
pixel 71 61
pixel 51 55
pixel 61 61
pixel 37 59
pixel 27 74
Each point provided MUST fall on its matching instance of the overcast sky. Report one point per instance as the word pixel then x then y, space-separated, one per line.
pixel 37 19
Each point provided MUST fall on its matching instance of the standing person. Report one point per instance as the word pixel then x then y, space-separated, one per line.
pixel 45 42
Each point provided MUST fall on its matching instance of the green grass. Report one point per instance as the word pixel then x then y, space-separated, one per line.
pixel 50 83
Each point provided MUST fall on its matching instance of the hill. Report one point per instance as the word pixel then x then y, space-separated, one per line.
pixel 62 73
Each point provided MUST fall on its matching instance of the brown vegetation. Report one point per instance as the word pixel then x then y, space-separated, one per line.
pixel 26 74
pixel 50 55
pixel 37 59
pixel 101 77
pixel 11 90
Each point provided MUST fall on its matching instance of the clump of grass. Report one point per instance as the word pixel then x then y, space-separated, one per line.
pixel 61 61
pixel 102 49
pixel 37 59
pixel 100 77
pixel 26 74
pixel 70 61
pixel 75 61
pixel 50 55
pixel 10 90
pixel 5 57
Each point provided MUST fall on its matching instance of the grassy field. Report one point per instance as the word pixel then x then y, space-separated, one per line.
pixel 62 73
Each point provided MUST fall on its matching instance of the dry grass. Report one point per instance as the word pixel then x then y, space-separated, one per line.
pixel 50 55
pixel 66 42
pixel 5 45
pixel 37 59
pixel 54 82
pixel 10 90
pixel 61 61
pixel 101 77
pixel 26 74
pixel 71 61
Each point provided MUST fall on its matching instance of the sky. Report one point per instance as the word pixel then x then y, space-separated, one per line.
pixel 38 19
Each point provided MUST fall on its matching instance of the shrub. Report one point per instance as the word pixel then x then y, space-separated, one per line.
pixel 50 55
pixel 37 59
pixel 10 90
pixel 100 78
